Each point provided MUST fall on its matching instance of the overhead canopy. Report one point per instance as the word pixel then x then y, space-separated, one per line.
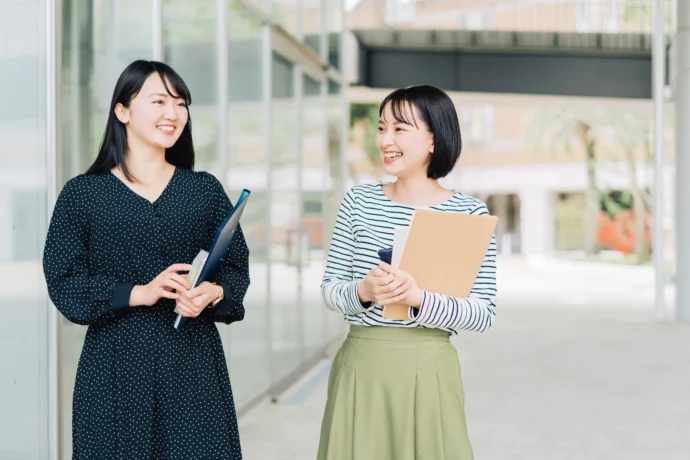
pixel 554 63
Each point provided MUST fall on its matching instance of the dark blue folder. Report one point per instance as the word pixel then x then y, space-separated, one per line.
pixel 220 245
pixel 386 255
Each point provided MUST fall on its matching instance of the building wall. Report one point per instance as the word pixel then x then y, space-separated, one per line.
pixel 612 16
pixel 272 121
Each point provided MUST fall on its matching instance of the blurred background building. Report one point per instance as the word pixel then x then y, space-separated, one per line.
pixel 555 104
pixel 539 155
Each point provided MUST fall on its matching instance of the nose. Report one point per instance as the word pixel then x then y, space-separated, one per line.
pixel 387 137
pixel 171 111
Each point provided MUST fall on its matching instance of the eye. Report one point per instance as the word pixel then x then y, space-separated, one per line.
pixel 158 102
pixel 182 104
pixel 399 129
pixel 380 129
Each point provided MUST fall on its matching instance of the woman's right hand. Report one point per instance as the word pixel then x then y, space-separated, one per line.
pixel 166 285
pixel 374 287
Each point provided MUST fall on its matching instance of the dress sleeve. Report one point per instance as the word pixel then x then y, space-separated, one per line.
pixel 475 312
pixel 82 297
pixel 339 284
pixel 233 274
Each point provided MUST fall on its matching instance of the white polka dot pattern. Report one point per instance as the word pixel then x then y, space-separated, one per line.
pixel 143 389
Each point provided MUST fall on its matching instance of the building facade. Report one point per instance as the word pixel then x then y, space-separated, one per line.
pixel 607 16
pixel 269 115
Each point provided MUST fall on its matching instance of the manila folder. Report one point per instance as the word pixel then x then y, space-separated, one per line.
pixel 443 252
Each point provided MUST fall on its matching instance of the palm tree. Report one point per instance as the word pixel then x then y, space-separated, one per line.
pixel 558 128
pixel 633 132
pixel 639 14
pixel 368 116
pixel 583 132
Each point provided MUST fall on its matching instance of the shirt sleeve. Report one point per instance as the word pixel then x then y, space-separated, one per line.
pixel 473 313
pixel 339 285
pixel 82 297
pixel 233 274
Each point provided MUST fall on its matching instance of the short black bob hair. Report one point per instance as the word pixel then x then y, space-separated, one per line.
pixel 437 111
pixel 113 149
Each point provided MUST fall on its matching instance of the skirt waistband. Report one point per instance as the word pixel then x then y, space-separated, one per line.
pixel 406 334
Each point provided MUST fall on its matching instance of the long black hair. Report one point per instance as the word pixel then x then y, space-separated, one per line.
pixel 113 149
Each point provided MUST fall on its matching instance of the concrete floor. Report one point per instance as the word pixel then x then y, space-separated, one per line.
pixel 575 368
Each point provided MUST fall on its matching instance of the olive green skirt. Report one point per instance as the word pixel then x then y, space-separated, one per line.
pixel 395 394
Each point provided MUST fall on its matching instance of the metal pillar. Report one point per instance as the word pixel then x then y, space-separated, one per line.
pixel 682 211
pixel 50 443
pixel 658 66
pixel 267 114
pixel 222 89
pixel 157 30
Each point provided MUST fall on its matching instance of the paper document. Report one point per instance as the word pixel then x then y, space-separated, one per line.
pixel 399 239
pixel 197 265
pixel 195 271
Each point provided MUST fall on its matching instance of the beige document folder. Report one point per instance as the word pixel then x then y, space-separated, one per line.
pixel 443 252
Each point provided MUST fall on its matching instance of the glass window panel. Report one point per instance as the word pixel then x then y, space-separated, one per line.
pixel 284 12
pixel 246 350
pixel 334 25
pixel 99 39
pixel 311 24
pixel 191 49
pixel 284 211
pixel 24 302
pixel 335 185
pixel 314 157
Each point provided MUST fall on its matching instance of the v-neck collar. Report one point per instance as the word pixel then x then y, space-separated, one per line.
pixel 158 198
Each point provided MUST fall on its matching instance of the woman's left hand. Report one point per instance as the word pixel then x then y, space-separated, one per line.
pixel 191 303
pixel 405 287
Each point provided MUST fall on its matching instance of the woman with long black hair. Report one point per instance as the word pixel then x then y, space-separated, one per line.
pixel 120 240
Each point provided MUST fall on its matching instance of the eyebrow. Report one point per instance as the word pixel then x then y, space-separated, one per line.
pixel 395 122
pixel 164 95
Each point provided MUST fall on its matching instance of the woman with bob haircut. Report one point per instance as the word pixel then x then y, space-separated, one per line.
pixel 395 389
pixel 121 237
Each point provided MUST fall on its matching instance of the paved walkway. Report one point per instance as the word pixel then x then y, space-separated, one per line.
pixel 574 368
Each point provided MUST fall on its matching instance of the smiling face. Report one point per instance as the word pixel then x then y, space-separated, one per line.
pixel 404 141
pixel 154 117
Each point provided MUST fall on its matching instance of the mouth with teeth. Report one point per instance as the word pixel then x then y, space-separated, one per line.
pixel 167 129
pixel 390 157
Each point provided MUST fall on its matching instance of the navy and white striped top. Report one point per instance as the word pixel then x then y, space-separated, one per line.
pixel 365 224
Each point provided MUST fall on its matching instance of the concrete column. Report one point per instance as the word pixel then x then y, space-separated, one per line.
pixel 537 224
pixel 682 214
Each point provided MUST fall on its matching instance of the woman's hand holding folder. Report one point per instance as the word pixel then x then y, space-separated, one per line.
pixel 369 288
pixel 402 289
pixel 386 285
pixel 191 303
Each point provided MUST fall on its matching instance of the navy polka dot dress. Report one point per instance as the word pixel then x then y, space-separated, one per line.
pixel 143 389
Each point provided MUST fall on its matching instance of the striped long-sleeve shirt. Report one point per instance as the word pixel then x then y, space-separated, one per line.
pixel 365 223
